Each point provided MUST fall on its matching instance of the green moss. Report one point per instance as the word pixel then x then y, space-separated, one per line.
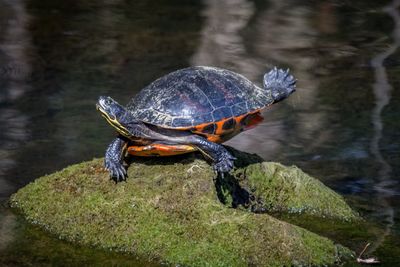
pixel 170 211
pixel 282 188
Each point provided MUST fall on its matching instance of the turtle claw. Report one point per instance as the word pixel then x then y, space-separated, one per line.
pixel 224 163
pixel 117 171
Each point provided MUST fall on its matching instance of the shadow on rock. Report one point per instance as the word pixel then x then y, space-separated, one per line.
pixel 229 188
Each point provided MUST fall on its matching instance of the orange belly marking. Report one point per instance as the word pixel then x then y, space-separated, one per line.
pixel 160 150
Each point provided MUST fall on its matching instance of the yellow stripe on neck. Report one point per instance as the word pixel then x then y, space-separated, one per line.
pixel 117 125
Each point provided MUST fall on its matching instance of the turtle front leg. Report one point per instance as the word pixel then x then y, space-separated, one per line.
pixel 114 158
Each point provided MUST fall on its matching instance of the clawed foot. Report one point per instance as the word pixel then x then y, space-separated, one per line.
pixel 224 162
pixel 116 169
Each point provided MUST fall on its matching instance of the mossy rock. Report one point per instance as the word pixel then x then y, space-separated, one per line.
pixel 170 210
pixel 272 187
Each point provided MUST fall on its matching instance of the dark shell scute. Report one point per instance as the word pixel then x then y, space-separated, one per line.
pixel 221 90
pixel 262 98
pixel 184 99
pixel 239 109
pixel 182 122
pixel 202 119
pixel 146 115
pixel 209 129
pixel 222 113
pixel 161 119
pixel 229 124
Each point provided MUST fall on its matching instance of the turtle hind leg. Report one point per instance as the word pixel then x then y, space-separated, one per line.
pixel 222 158
pixel 114 158
pixel 280 83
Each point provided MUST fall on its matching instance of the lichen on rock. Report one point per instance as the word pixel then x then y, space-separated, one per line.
pixel 171 210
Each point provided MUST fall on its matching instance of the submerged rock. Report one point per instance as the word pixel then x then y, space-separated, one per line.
pixel 171 210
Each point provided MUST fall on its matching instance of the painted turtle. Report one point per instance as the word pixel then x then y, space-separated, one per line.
pixel 195 108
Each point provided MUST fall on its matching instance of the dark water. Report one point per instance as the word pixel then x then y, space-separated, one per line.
pixel 342 125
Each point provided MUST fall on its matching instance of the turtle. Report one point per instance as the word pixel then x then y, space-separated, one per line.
pixel 191 109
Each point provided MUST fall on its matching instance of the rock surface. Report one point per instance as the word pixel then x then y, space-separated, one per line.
pixel 173 211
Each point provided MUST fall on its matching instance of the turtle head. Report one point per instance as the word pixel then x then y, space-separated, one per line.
pixel 281 84
pixel 115 114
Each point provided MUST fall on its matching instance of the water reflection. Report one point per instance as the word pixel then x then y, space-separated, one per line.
pixel 15 70
pixel 383 182
pixel 222 43
pixel 7 228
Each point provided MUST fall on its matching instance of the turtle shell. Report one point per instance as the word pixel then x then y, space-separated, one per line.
pixel 209 98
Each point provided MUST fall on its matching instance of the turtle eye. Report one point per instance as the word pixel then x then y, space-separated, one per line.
pixel 108 101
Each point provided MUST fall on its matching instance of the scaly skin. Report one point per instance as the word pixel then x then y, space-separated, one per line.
pixel 114 158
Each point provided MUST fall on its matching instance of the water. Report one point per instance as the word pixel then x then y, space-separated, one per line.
pixel 342 125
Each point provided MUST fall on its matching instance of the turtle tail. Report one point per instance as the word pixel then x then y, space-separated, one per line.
pixel 280 82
